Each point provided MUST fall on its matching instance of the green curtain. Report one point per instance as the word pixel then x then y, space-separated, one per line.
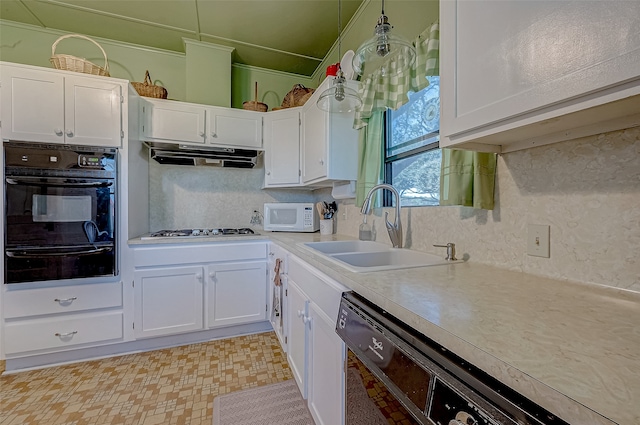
pixel 379 92
pixel 467 178
pixel 370 147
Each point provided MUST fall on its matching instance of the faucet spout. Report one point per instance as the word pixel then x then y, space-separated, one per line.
pixel 394 229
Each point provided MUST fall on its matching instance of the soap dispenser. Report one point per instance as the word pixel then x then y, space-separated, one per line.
pixel 364 232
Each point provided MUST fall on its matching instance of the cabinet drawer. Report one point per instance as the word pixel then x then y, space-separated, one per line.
pixel 321 290
pixel 198 253
pixel 61 332
pixel 63 299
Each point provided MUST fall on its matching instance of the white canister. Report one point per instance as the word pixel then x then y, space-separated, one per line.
pixel 326 227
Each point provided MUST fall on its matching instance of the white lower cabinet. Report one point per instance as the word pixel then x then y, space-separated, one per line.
pixel 195 287
pixel 298 335
pixel 316 353
pixel 62 332
pixel 55 318
pixel 326 369
pixel 169 300
pixel 237 293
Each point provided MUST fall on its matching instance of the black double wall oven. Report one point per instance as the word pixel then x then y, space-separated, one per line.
pixel 60 212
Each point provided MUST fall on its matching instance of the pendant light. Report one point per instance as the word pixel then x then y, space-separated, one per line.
pixel 388 52
pixel 339 98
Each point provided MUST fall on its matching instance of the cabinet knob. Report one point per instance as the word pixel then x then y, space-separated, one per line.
pixel 69 133
pixel 214 135
pixel 321 161
pixel 300 313
pixel 58 132
pixel 306 320
pixel 199 277
pixel 212 275
pixel 268 173
pixel 202 134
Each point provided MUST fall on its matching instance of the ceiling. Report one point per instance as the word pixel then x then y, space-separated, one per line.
pixel 284 35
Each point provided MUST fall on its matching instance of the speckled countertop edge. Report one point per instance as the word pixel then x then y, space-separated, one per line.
pixel 572 348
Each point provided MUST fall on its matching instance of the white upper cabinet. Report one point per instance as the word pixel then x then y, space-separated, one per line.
pixel 519 74
pixel 173 121
pixel 282 148
pixel 167 120
pixel 57 107
pixel 329 142
pixel 234 127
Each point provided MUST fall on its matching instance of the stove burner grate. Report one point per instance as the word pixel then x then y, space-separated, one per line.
pixel 186 233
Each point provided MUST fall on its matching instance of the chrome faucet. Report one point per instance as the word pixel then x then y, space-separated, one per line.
pixel 395 229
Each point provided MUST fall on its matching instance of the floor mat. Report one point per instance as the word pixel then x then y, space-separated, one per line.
pixel 275 404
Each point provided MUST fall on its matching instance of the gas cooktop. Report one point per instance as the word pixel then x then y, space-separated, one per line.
pixel 194 233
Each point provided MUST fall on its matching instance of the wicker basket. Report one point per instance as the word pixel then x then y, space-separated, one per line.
pixel 147 89
pixel 254 105
pixel 297 96
pixel 76 64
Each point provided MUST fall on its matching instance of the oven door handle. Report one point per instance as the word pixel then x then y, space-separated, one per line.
pixel 57 253
pixel 54 182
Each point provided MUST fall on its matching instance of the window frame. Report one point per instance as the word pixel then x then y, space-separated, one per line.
pixel 387 199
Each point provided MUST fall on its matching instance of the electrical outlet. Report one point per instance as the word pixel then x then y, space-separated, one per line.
pixel 538 240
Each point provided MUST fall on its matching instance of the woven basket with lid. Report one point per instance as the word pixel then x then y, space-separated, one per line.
pixel 76 64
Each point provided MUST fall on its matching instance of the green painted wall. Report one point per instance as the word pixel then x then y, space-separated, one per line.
pixel 202 74
pixel 272 85
pixel 32 46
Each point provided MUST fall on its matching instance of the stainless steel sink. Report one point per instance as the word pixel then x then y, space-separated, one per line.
pixel 365 256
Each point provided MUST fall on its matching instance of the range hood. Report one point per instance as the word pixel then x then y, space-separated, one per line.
pixel 180 154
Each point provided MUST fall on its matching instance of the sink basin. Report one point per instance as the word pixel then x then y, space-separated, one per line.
pixel 338 247
pixel 366 256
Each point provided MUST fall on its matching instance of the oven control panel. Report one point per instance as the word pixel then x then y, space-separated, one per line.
pixel 92 161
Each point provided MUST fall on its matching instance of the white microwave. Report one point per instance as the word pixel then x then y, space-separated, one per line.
pixel 291 217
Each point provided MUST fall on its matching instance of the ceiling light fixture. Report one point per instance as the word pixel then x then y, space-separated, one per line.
pixel 339 98
pixel 388 52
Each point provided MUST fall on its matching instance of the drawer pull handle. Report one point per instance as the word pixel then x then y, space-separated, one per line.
pixel 58 334
pixel 65 300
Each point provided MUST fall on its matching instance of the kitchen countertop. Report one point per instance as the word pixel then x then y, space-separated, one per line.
pixel 564 345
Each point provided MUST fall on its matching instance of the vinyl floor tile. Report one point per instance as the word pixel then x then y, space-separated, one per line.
pixel 171 386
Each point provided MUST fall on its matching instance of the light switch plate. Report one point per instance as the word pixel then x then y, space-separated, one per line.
pixel 538 240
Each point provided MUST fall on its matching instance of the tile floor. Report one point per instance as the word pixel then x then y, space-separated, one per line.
pixel 171 386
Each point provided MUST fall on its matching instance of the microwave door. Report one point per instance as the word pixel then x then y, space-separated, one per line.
pixel 285 218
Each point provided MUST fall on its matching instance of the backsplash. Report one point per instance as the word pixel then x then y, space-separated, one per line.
pixel 197 197
pixel 587 190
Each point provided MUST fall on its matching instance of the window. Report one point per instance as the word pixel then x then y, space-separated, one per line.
pixel 412 153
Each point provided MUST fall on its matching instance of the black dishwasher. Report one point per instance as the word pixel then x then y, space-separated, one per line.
pixel 397 375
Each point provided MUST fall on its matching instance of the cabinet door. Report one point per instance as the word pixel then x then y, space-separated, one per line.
pixel 282 148
pixel 326 369
pixel 278 316
pixel 234 127
pixel 173 121
pixel 168 300
pixel 237 293
pixel 297 316
pixel 92 112
pixel 314 142
pixel 32 105
pixel 550 59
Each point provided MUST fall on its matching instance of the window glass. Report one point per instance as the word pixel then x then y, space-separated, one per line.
pixel 412 154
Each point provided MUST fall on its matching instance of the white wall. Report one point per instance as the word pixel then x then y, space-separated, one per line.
pixel 587 190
